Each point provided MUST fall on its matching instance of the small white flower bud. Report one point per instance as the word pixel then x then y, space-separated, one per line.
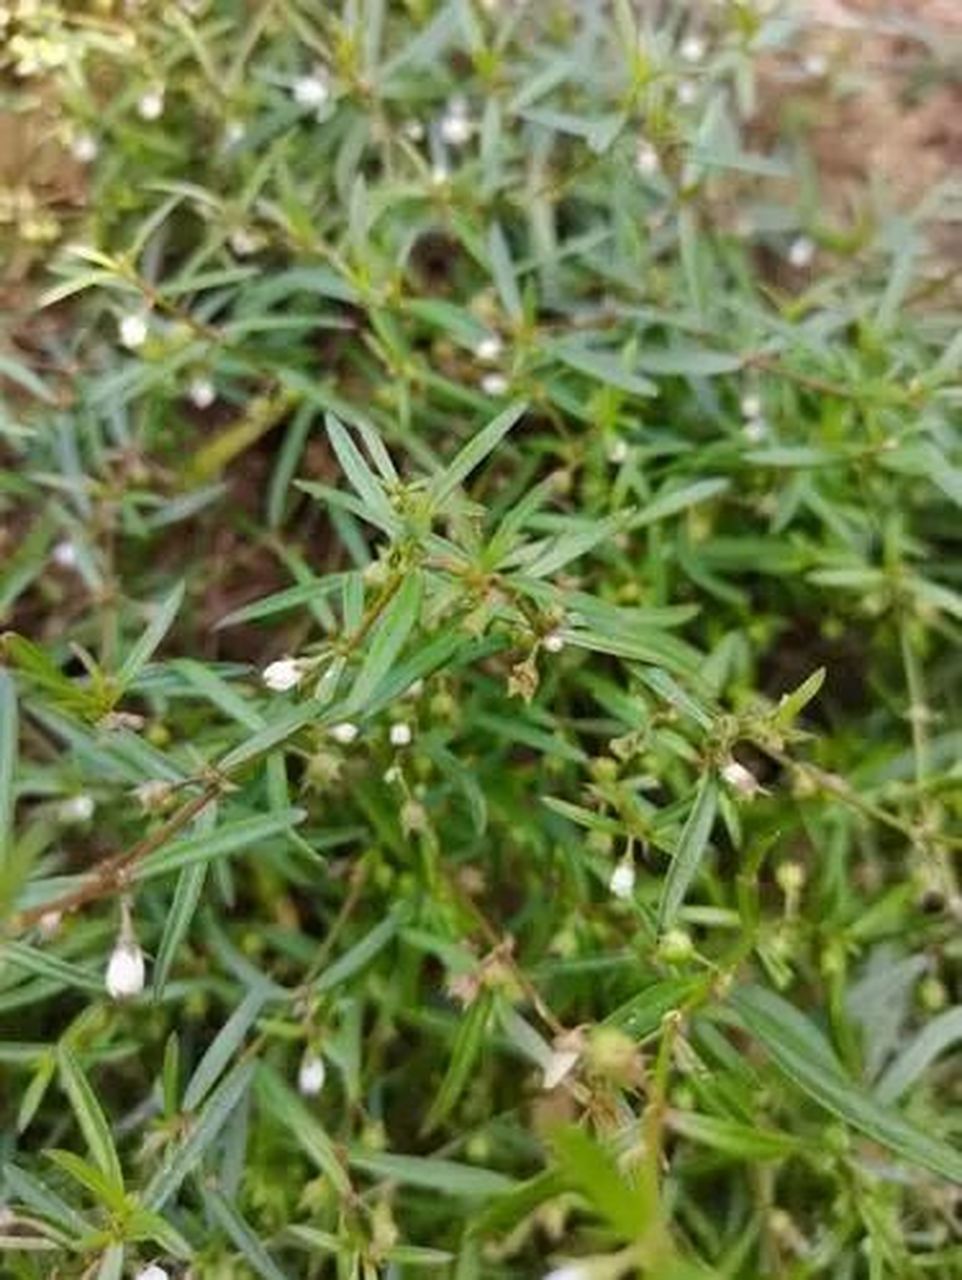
pixel 84 148
pixel 687 92
pixel 571 1271
pixel 150 105
pixel 618 452
pixel 489 349
pixel 558 1067
pixel 76 808
pixel 456 127
pixel 125 970
pixel 311 1075
pixel 65 554
pixel 234 132
pixel 815 65
pixel 494 384
pixel 152 1272
pixel 755 430
pixel 622 881
pixel 243 242
pixel 739 778
pixel 49 924
pixel 553 642
pixel 201 393
pixel 801 252
pixel 751 406
pixel 692 49
pixel 284 674
pixel 133 330
pixel 344 733
pixel 311 92
pixel 400 735
pixel 647 161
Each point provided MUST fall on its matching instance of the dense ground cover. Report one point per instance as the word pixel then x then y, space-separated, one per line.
pixel 478 714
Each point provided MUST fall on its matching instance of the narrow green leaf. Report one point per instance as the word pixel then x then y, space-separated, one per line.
pixel 362 478
pixel 159 625
pixel 464 1055
pixel 388 639
pixel 445 1176
pixel 741 1141
pixel 474 452
pixel 277 1097
pixel 91 1119
pixel 803 1054
pixel 222 1048
pixel 942 1033
pixel 688 855
pixel 222 842
pixel 361 954
pixel 253 1252
pixel 190 882
pixel 182 1159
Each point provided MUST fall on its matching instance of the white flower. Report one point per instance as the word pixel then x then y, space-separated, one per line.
pixel 202 393
pixel 553 642
pixel 311 1075
pixel 311 92
pixel 65 554
pixel 400 735
pixel 815 64
pixel 801 252
pixel 125 970
pixel 152 1272
pixel 494 384
pixel 618 452
pixel 489 349
pixel 76 808
pixel 687 92
pixel 755 430
pixel 571 1271
pixel 751 406
pixel 413 130
pixel 84 148
pixel 558 1067
pixel 133 330
pixel 344 733
pixel 622 881
pixel 739 778
pixel 284 674
pixel 692 49
pixel 49 923
pixel 243 242
pixel 456 127
pixel 150 105
pixel 647 161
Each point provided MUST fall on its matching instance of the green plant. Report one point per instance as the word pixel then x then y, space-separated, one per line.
pixel 487 634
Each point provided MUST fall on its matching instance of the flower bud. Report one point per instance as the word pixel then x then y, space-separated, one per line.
pixel 284 674
pixel 125 969
pixel 76 808
pixel 676 946
pixel 201 393
pixel 400 735
pixel 133 331
pixel 345 732
pixel 622 881
pixel 152 1272
pixel 311 1074
pixel 150 105
pixel 489 349
pixel 740 779
pixel 553 642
